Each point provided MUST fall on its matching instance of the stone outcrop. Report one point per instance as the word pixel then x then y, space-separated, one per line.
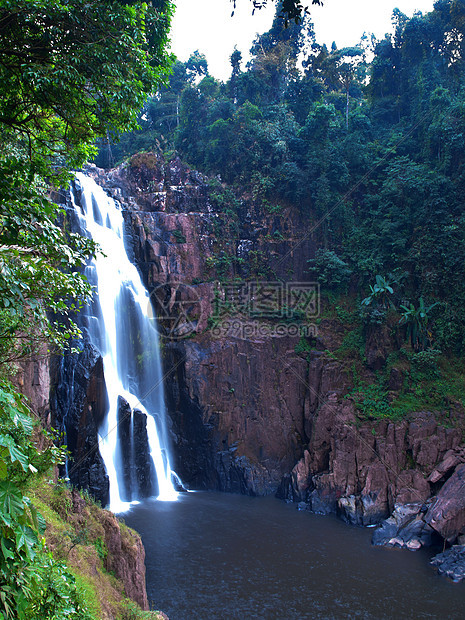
pixel 33 380
pixel 361 470
pixel 79 404
pixel 451 563
pixel 446 514
pixel 405 528
pixel 442 517
pixel 125 558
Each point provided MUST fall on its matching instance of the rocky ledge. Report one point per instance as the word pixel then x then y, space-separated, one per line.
pixel 451 563
pixel 440 518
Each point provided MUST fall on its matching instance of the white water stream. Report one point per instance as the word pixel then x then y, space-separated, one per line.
pixel 121 328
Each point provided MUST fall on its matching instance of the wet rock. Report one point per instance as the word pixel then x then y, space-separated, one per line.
pixel 124 427
pixel 405 528
pixel 138 469
pixel 143 464
pixel 79 404
pixel 451 563
pixel 446 514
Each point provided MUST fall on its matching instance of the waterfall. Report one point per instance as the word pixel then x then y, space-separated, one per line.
pixel 120 325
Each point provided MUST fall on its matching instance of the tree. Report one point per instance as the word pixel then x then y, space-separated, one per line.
pixel 416 322
pixel 340 69
pixel 69 73
pixel 292 10
pixel 197 67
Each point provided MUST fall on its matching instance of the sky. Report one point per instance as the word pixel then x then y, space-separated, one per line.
pixel 207 25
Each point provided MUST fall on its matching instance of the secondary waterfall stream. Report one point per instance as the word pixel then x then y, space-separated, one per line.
pixel 120 324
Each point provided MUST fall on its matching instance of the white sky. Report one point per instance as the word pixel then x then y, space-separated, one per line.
pixel 207 25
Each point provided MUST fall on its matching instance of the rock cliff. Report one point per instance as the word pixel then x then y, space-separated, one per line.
pixel 251 410
pixel 258 402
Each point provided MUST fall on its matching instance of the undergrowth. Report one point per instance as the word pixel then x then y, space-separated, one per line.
pixel 431 381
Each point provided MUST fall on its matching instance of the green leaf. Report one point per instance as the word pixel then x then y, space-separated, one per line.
pixel 26 539
pixel 7 553
pixel 11 500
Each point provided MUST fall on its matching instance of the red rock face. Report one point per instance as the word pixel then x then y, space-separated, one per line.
pixel 33 380
pixel 126 559
pixel 250 414
pixel 447 513
pixel 362 470
pixel 252 394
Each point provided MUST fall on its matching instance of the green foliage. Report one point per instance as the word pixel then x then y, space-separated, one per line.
pixel 303 347
pixel 32 584
pixel 70 73
pixel 416 322
pixel 371 401
pixel 224 264
pixel 353 345
pixel 380 293
pixel 101 548
pixel 371 156
pixel 424 364
pixel 36 256
pixel 179 236
pixel 131 611
pixel 51 592
pixel 330 270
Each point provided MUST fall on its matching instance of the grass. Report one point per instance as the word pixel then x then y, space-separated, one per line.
pixel 75 535
pixel 88 591
pixel 432 383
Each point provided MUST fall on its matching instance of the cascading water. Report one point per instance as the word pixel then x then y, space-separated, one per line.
pixel 120 326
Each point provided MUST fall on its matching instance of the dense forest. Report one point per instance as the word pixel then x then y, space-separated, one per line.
pixel 367 142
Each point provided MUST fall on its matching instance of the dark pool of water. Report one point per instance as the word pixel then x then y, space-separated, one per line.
pixel 219 556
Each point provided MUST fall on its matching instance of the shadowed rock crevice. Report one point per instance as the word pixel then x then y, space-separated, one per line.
pixel 138 470
pixel 79 405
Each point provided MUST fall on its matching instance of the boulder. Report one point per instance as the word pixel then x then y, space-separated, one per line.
pixel 451 459
pixel 446 514
pixel 405 528
pixel 138 468
pixel 451 563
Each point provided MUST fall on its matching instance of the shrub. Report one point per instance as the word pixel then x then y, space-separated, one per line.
pixel 329 269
